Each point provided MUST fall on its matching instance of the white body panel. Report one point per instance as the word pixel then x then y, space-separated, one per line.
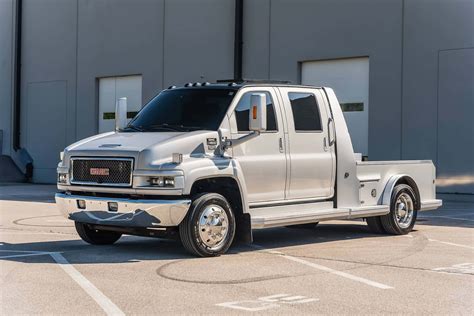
pixel 261 158
pixel 311 159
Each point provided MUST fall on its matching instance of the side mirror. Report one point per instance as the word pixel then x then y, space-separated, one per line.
pixel 120 114
pixel 258 112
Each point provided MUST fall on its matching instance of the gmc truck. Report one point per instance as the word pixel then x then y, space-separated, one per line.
pixel 208 163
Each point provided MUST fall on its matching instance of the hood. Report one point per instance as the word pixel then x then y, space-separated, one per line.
pixel 128 142
pixel 150 150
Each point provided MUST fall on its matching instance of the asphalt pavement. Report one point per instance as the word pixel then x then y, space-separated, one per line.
pixel 339 267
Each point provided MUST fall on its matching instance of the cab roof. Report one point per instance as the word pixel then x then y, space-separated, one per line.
pixel 237 84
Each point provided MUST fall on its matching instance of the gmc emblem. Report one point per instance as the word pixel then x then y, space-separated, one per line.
pixel 99 171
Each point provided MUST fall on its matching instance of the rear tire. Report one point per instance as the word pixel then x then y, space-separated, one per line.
pixel 402 216
pixel 209 227
pixel 375 225
pixel 96 237
pixel 304 226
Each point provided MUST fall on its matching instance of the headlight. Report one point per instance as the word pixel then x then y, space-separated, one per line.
pixel 61 156
pixel 162 181
pixel 62 178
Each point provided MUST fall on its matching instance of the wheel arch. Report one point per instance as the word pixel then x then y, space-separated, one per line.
pixel 230 188
pixel 401 179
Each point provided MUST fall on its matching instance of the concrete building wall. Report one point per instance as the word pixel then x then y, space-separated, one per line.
pixel 418 50
pixel 435 34
pixel 290 32
pixel 415 48
pixel 69 44
pixel 7 14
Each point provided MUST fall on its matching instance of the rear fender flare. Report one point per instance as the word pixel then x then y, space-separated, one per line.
pixel 393 181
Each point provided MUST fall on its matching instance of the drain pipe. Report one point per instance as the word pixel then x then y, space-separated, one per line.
pixel 17 81
pixel 23 160
pixel 238 39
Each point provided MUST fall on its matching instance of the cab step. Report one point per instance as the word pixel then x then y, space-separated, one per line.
pixel 293 214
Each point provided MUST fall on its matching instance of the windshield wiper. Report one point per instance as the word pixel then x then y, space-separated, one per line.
pixel 132 127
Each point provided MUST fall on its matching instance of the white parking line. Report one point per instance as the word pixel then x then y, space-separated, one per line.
pixel 451 244
pixel 107 305
pixel 104 302
pixel 326 269
pixel 339 273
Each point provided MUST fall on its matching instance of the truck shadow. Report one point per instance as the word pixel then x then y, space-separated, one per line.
pixel 131 249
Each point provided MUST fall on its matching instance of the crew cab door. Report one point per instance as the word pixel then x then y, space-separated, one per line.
pixel 262 159
pixel 311 155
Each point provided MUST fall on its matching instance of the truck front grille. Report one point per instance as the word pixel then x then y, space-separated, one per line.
pixel 102 171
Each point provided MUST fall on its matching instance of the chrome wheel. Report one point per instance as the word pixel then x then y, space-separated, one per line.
pixel 404 209
pixel 213 226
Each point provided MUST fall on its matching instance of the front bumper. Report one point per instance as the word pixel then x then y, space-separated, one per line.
pixel 130 213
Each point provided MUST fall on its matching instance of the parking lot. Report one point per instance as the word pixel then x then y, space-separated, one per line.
pixel 337 268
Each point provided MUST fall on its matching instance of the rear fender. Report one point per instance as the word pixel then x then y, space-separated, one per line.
pixel 397 179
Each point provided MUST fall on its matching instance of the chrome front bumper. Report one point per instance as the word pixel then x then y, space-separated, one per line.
pixel 130 213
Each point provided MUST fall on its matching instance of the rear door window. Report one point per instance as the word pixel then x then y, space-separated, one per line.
pixel 305 110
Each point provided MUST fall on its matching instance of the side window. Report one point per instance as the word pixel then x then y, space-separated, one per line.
pixel 243 108
pixel 305 111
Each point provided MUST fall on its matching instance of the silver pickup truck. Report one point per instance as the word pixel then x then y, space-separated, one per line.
pixel 207 163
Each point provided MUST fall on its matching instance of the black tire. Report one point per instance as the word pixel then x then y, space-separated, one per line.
pixel 96 237
pixel 189 228
pixel 375 225
pixel 304 226
pixel 390 221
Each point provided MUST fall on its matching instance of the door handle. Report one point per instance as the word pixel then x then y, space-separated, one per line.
pixel 280 144
pixel 331 133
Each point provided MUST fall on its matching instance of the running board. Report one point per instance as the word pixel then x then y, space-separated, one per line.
pixel 429 205
pixel 276 216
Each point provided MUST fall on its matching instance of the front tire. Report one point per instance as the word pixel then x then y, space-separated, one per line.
pixel 375 225
pixel 96 237
pixel 402 216
pixel 209 227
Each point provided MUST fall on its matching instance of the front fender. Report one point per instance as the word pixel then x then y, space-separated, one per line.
pixel 212 167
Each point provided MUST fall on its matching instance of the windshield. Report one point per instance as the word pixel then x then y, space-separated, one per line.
pixel 183 110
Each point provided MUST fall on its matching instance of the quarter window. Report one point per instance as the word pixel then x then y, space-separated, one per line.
pixel 305 111
pixel 243 108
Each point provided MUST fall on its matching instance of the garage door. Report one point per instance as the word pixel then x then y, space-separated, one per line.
pixel 113 88
pixel 350 80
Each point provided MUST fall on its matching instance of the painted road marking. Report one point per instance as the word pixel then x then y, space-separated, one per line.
pixel 463 268
pixel 104 302
pixel 267 302
pixel 249 305
pixel 107 305
pixel 288 299
pixel 451 244
pixel 339 273
pixel 326 269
